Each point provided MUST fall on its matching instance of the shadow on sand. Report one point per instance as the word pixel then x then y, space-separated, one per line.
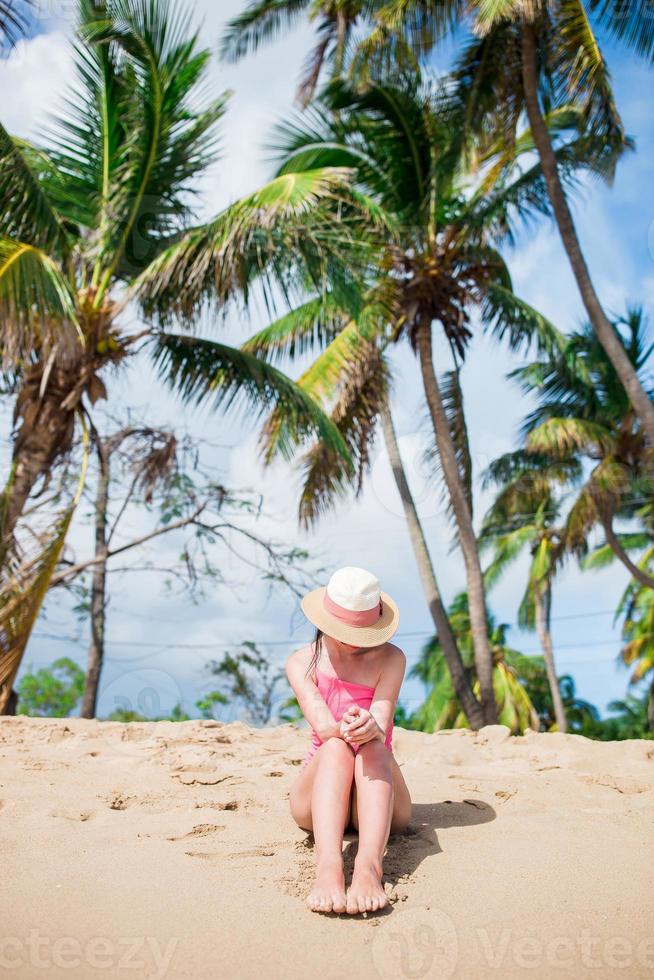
pixel 405 852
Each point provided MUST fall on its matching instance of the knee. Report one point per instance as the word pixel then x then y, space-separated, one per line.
pixel 375 757
pixel 336 752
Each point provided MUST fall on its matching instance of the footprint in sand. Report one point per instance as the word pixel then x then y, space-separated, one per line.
pixel 217 805
pixel 80 815
pixel 620 784
pixel 200 830
pixel 224 805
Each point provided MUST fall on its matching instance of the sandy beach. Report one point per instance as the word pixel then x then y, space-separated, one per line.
pixel 166 850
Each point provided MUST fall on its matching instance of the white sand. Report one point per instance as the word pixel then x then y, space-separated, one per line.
pixel 167 849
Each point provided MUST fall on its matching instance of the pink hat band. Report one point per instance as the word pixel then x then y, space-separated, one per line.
pixel 353 617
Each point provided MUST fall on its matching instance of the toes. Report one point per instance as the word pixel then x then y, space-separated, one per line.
pixel 362 903
pixel 368 903
pixel 374 904
pixel 352 906
pixel 338 903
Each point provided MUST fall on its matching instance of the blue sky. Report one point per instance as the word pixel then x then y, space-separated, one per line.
pixel 147 627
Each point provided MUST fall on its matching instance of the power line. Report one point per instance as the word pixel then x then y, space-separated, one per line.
pixel 162 648
pixel 290 641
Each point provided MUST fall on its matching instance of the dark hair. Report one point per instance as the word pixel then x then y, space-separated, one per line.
pixel 317 652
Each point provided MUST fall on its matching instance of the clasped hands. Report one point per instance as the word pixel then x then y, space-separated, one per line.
pixel 358 726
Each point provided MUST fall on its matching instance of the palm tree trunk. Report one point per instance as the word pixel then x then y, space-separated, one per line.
pixel 602 326
pixel 543 607
pixel 46 430
pixel 614 544
pixel 469 703
pixel 467 537
pixel 98 588
pixel 650 708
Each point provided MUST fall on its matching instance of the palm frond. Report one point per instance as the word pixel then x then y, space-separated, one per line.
pixel 203 371
pixel 362 393
pixel 264 236
pixel 506 548
pixel 35 299
pixel 632 22
pixel 561 436
pixel 313 324
pixel 261 21
pixel 136 132
pixel 578 58
pixel 321 381
pixel 514 319
pixel 26 211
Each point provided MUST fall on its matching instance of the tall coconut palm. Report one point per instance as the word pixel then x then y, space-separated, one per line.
pixel 101 215
pixel 437 263
pixel 351 380
pixel 536 58
pixel 510 534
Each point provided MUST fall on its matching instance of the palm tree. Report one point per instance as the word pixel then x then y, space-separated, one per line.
pixel 351 380
pixel 441 709
pixel 512 531
pixel 583 414
pixel 101 216
pixel 98 217
pixel 435 264
pixel 541 58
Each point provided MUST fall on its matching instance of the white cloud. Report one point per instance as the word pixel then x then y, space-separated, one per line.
pixel 33 78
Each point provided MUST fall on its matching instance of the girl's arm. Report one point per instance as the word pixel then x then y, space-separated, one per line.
pixel 365 725
pixel 312 704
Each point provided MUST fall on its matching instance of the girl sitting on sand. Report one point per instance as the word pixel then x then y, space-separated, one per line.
pixel 347 684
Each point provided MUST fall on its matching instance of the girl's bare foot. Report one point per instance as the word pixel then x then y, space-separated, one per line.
pixel 366 893
pixel 328 892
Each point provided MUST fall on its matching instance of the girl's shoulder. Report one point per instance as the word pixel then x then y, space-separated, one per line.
pixel 303 655
pixel 390 653
pixel 389 658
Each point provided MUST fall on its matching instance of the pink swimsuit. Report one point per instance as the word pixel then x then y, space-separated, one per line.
pixel 339 696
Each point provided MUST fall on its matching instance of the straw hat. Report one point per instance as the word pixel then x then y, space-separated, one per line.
pixel 352 608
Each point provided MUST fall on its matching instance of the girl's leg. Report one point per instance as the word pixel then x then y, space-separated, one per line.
pixel 401 802
pixel 373 811
pixel 320 801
